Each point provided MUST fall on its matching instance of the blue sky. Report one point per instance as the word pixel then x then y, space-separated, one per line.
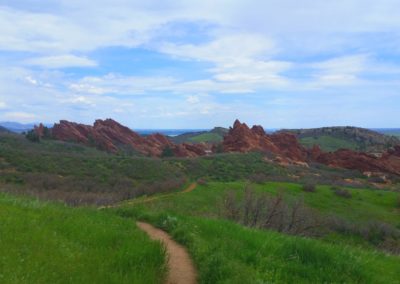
pixel 198 64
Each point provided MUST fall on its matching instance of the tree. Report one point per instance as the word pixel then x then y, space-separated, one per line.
pixel 31 135
pixel 167 152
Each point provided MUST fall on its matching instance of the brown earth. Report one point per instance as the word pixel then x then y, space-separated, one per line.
pixel 180 266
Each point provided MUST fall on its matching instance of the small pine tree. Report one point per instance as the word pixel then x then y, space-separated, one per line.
pixel 167 152
pixel 32 136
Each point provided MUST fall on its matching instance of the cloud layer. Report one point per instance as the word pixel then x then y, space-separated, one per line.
pixel 201 63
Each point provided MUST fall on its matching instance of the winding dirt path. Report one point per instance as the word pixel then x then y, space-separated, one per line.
pixel 190 188
pixel 134 201
pixel 180 266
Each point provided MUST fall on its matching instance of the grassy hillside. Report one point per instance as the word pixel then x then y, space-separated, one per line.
pixel 82 175
pixel 215 135
pixel 79 174
pixel 47 242
pixel 51 243
pixel 355 138
pixel 364 205
pixel 227 252
pixel 206 137
pixel 329 143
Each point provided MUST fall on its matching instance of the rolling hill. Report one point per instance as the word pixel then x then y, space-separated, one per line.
pixel 215 135
pixel 354 138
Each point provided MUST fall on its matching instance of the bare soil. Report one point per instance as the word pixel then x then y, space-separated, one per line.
pixel 180 266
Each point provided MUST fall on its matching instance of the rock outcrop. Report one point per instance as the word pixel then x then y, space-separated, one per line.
pixel 241 138
pixel 111 136
pixel 287 149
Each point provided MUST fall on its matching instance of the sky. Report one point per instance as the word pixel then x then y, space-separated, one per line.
pixel 199 64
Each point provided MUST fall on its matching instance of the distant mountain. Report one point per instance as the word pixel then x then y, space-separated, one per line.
pixel 389 131
pixel 19 127
pixel 354 138
pixel 4 130
pixel 214 135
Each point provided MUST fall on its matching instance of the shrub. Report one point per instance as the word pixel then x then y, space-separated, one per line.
pixel 309 187
pixel 376 179
pixel 258 178
pixel 271 212
pixel 32 136
pixel 202 181
pixel 167 152
pixel 342 193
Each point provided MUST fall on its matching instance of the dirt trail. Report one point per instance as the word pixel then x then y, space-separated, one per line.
pixel 190 188
pixel 180 265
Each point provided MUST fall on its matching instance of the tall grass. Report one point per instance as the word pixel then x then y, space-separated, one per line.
pixel 51 243
pixel 225 252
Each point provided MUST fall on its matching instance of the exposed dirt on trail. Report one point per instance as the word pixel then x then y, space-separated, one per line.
pixel 180 265
pixel 190 188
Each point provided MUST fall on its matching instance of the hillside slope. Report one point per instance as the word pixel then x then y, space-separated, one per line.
pixel 213 136
pixel 354 138
pixel 51 243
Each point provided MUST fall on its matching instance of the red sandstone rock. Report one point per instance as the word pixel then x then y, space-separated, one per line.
pixel 241 138
pixel 109 135
pixel 39 130
pixel 289 151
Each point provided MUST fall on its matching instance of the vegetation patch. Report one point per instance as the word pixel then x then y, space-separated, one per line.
pixel 51 243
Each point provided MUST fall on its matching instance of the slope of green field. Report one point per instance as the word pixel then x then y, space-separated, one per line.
pixel 51 243
pixel 206 137
pixel 365 204
pixel 226 252
pixel 329 143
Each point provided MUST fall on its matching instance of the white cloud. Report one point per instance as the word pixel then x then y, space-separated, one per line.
pixel 225 49
pixel 237 58
pixel 19 116
pixel 122 85
pixel 61 61
pixel 255 48
pixel 2 105
pixel 340 71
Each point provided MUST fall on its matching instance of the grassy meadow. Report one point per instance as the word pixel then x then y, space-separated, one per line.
pixel 228 252
pixel 52 243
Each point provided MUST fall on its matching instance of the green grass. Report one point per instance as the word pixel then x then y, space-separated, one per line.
pixel 206 137
pixel 225 252
pixel 365 205
pixel 51 243
pixel 329 143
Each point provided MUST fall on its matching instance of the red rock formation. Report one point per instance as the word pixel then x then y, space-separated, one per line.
pixel 289 151
pixel 39 130
pixel 110 136
pixel 289 146
pixel 241 138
